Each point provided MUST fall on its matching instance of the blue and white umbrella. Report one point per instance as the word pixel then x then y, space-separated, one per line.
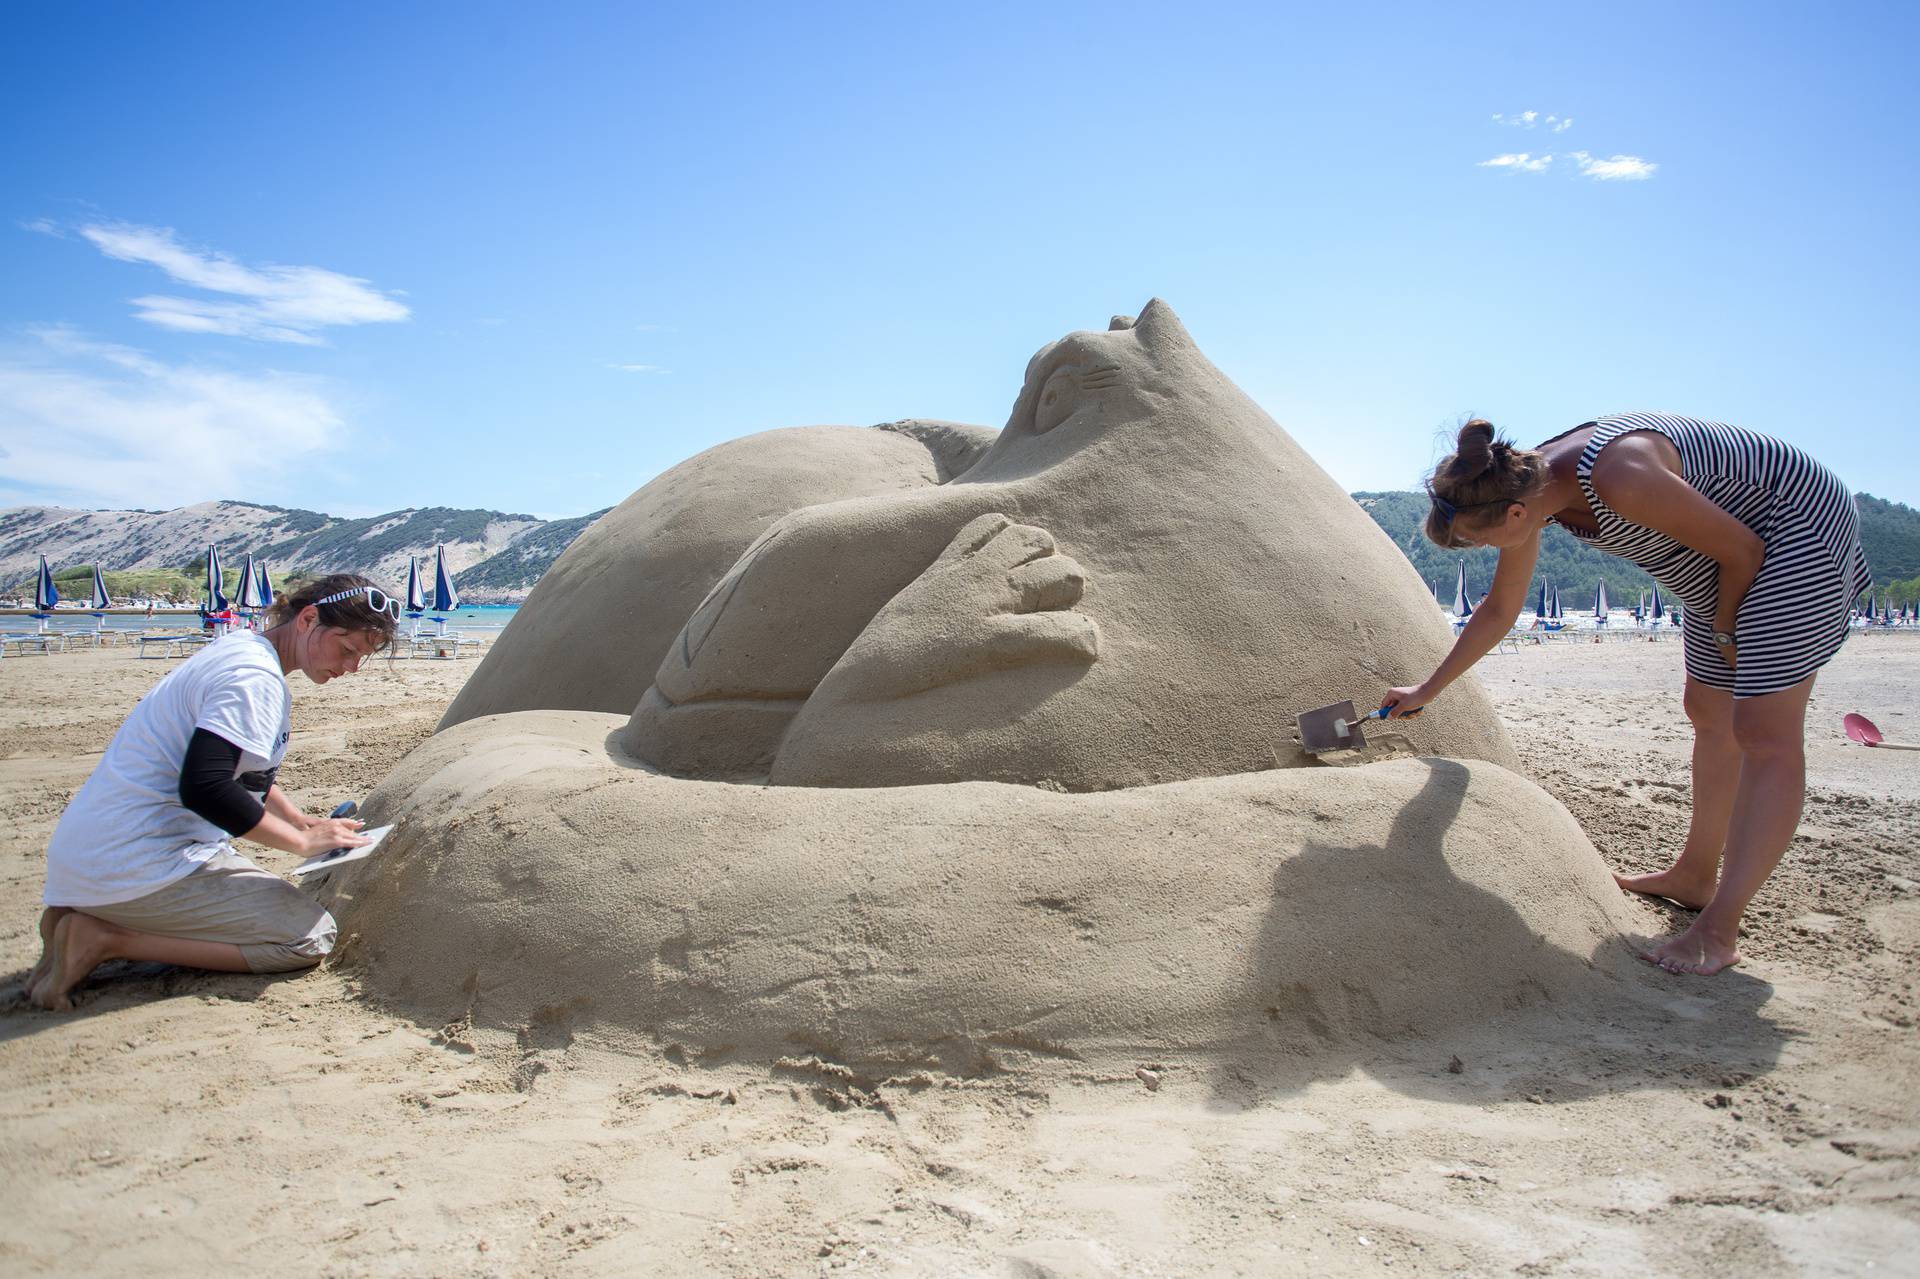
pixel 250 597
pixel 265 587
pixel 1557 616
pixel 46 596
pixel 1462 605
pixel 100 603
pixel 1870 604
pixel 445 598
pixel 416 595
pixel 1658 607
pixel 215 600
pixel 1540 609
pixel 1600 607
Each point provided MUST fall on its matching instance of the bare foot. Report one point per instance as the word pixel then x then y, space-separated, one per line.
pixel 79 945
pixel 1681 890
pixel 1693 952
pixel 48 919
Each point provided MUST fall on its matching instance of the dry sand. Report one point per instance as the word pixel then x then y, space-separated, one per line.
pixel 1760 1122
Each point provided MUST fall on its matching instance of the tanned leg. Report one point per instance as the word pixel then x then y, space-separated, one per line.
pixel 48 918
pixel 82 943
pixel 1691 879
pixel 1773 787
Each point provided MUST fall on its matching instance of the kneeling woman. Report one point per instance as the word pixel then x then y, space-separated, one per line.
pixel 141 867
pixel 1758 541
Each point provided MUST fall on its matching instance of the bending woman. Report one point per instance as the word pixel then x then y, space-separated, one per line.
pixel 142 866
pixel 1758 541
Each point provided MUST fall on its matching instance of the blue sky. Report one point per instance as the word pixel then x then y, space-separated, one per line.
pixel 362 257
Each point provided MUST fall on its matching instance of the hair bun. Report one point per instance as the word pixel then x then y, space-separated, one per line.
pixel 1475 452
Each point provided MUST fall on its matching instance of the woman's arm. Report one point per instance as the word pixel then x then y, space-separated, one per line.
pixel 1638 475
pixel 285 809
pixel 209 788
pixel 1488 625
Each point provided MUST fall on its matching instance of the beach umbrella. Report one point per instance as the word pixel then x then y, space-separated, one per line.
pixel 250 596
pixel 215 600
pixel 1658 608
pixel 445 598
pixel 1540 609
pixel 1600 607
pixel 416 596
pixel 265 587
pixel 1462 606
pixel 100 603
pixel 243 595
pixel 45 594
pixel 1870 602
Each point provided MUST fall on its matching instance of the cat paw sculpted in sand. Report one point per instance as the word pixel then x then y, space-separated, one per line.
pixel 1128 593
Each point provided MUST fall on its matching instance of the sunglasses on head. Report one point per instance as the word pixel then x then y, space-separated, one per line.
pixel 377 599
pixel 1448 510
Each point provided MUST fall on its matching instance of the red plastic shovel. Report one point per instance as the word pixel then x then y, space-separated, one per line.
pixel 1862 730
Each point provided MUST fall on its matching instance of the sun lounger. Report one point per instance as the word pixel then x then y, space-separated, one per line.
pixel 172 643
pixel 23 642
pixel 451 645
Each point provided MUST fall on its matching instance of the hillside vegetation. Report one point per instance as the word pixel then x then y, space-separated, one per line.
pixel 497 556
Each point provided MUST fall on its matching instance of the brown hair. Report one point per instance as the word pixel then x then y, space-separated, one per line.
pixel 1478 480
pixel 355 613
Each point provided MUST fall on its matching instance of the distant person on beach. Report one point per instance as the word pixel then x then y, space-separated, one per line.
pixel 1759 543
pixel 141 865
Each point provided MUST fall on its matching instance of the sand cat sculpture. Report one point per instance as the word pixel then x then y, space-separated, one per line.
pixel 1141 579
pixel 1126 595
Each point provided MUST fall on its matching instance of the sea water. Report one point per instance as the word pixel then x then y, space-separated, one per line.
pixel 483 621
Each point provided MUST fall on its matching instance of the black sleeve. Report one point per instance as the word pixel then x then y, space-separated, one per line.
pixel 209 789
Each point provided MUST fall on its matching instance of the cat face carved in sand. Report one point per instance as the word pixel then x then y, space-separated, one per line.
pixel 1143 579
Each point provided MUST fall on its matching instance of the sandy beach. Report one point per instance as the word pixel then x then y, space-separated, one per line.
pixel 1760 1122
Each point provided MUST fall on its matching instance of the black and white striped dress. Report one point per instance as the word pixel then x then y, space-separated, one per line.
pixel 1796 615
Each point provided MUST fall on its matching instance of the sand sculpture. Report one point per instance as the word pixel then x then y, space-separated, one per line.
pixel 968 752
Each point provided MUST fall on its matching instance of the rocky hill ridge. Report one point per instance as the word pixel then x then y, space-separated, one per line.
pixel 494 555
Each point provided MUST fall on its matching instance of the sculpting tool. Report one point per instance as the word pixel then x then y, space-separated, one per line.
pixel 1336 727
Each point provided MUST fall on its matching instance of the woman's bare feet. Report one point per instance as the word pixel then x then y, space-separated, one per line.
pixel 80 944
pixel 1695 951
pixel 1672 885
pixel 49 917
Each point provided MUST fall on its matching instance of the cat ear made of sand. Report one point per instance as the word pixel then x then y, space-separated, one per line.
pixel 1157 329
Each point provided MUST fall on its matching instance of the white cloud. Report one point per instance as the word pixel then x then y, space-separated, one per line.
pixel 1533 119
pixel 1518 162
pixel 95 424
pixel 639 368
pixel 1619 168
pixel 278 303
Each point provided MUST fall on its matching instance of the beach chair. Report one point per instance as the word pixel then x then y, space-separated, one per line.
pixel 20 643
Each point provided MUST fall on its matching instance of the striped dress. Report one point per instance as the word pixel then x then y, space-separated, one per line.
pixel 1796 615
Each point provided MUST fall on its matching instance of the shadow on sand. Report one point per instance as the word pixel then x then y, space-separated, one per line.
pixel 1440 989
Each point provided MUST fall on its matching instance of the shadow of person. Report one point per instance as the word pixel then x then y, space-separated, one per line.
pixel 120 984
pixel 1390 957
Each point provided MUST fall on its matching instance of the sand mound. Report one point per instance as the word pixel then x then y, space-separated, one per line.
pixel 601 618
pixel 538 884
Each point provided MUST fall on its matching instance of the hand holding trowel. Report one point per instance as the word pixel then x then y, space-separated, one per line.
pixel 1337 727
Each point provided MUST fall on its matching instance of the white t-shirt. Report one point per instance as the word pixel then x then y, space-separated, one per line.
pixel 126 833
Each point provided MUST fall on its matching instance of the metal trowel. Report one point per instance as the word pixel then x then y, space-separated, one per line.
pixel 1336 728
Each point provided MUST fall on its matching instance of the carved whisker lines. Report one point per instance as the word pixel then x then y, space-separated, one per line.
pixel 1101 378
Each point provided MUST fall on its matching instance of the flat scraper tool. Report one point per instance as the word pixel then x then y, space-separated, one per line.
pixel 1335 728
